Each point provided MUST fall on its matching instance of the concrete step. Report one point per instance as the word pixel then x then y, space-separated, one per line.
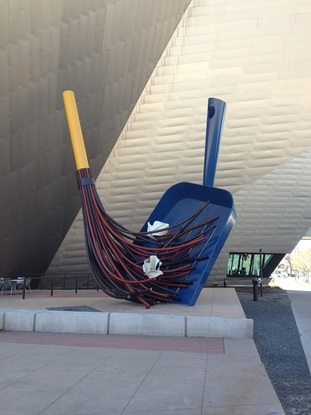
pixel 217 313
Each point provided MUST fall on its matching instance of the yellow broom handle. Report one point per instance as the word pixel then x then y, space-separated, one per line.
pixel 75 130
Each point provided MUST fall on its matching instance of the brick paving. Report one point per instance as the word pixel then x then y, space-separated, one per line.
pixel 177 344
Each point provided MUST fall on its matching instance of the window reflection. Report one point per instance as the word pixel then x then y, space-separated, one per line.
pixel 247 264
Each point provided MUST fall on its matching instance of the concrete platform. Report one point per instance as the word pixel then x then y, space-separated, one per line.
pixel 218 313
pixel 182 360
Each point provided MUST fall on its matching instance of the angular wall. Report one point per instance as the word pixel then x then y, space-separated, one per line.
pixel 105 50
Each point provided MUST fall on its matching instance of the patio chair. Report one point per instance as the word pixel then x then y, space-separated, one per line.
pixel 19 284
pixel 6 285
pixel 27 284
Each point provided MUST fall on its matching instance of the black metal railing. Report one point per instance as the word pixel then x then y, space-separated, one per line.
pixel 51 282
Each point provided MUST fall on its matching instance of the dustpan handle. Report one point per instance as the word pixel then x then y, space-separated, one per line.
pixel 215 119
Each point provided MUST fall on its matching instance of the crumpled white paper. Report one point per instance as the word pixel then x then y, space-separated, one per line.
pixel 160 228
pixel 151 267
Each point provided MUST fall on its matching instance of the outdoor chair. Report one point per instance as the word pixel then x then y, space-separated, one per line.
pixel 19 284
pixel 6 285
pixel 27 284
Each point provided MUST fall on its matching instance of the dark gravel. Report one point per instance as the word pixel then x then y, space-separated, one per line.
pixel 75 308
pixel 278 342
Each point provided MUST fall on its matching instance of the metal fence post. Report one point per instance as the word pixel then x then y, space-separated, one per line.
pixel 24 288
pixel 52 286
pixel 255 289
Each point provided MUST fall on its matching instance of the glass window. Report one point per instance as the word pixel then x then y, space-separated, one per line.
pixel 244 264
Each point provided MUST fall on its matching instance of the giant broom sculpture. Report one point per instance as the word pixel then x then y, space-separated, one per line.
pixel 151 266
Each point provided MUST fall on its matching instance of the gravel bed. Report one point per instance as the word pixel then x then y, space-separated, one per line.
pixel 78 308
pixel 278 342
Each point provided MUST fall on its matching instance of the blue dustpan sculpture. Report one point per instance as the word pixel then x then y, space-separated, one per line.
pixel 183 200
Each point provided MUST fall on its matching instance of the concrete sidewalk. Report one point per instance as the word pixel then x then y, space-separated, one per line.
pixel 301 306
pixel 95 374
pixel 299 293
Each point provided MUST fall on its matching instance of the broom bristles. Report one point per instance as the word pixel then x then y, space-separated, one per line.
pixel 116 254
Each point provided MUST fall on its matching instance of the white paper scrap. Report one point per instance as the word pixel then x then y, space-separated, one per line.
pixel 160 228
pixel 151 267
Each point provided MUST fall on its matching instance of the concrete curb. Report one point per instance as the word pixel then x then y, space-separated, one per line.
pixel 125 323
